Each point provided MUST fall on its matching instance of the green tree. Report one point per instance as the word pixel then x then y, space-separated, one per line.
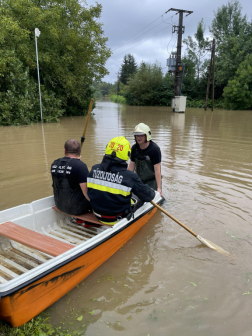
pixel 190 84
pixel 233 34
pixel 103 87
pixel 238 92
pixel 228 21
pixel 196 49
pixel 164 92
pixel 72 53
pixel 143 85
pixel 128 68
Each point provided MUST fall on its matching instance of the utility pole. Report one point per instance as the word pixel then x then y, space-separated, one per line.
pixel 117 90
pixel 213 75
pixel 209 75
pixel 180 29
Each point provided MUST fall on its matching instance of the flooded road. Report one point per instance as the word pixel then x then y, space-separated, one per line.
pixel 163 281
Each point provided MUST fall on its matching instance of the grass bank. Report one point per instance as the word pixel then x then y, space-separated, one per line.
pixel 201 103
pixel 118 99
pixel 38 326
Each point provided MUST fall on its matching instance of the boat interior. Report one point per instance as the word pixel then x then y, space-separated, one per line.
pixel 37 237
pixel 38 233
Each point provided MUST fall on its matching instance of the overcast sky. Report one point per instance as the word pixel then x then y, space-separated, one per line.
pixel 144 29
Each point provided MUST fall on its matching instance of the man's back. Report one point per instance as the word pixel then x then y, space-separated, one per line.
pixel 69 176
pixel 110 186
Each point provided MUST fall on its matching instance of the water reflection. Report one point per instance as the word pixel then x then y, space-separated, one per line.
pixel 173 284
pixel 178 121
pixel 114 288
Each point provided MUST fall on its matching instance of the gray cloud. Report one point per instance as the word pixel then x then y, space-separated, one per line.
pixel 124 23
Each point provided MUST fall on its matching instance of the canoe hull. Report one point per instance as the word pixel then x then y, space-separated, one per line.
pixel 22 305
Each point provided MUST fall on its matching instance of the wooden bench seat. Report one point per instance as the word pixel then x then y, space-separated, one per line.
pixel 38 241
pixel 87 217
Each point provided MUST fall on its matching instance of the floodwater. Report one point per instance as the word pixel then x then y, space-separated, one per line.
pixel 163 281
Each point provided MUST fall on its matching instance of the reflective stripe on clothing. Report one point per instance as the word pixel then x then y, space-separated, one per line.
pixel 109 220
pixel 108 223
pixel 110 187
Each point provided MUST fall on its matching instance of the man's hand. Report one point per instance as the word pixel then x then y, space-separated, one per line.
pixel 160 191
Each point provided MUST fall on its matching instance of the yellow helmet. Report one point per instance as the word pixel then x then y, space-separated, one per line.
pixel 120 146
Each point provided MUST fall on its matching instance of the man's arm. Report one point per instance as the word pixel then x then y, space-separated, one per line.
pixel 132 166
pixel 84 190
pixel 157 169
pixel 142 191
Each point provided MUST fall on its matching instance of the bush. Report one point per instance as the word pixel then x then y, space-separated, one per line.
pixel 19 104
pixel 238 92
pixel 142 85
pixel 118 99
pixel 200 103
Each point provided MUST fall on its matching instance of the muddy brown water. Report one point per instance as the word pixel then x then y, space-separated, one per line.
pixel 163 281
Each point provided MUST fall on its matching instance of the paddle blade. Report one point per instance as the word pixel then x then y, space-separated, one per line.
pixel 212 245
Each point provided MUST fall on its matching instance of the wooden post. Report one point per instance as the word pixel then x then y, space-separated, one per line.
pixel 213 75
pixel 209 77
pixel 87 120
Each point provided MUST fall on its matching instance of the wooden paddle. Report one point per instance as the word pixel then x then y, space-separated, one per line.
pixel 86 123
pixel 202 240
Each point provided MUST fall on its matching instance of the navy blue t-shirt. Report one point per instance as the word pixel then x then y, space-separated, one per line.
pixel 152 151
pixel 76 172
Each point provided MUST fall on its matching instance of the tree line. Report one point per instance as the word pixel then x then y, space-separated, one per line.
pixel 145 84
pixel 72 54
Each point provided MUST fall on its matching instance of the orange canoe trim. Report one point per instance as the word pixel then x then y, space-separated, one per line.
pixel 22 305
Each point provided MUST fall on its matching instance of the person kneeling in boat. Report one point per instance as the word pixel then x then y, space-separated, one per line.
pixel 69 175
pixel 110 184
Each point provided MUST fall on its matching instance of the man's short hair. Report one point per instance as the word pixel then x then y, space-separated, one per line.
pixel 72 146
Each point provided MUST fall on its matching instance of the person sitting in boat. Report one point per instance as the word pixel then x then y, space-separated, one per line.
pixel 110 184
pixel 69 175
pixel 146 158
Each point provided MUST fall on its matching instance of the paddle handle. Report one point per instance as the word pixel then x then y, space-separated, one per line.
pixel 87 120
pixel 176 220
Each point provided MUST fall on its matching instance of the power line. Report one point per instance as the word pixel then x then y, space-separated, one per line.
pixel 138 36
pixel 174 45
pixel 171 37
pixel 140 42
pixel 169 43
pixel 167 19
pixel 137 33
pixel 133 37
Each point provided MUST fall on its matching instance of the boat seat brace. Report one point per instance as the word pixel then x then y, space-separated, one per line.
pixel 87 217
pixel 35 240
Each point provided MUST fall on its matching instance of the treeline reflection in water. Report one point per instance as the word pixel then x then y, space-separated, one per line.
pixel 163 281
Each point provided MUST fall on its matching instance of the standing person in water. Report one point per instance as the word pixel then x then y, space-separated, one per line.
pixel 146 158
pixel 69 175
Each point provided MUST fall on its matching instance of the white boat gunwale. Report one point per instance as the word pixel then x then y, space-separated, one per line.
pixel 56 263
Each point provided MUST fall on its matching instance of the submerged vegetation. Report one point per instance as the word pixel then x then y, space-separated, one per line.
pixel 118 99
pixel 36 327
pixel 72 53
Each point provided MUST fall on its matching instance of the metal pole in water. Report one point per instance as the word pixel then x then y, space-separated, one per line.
pixel 37 33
